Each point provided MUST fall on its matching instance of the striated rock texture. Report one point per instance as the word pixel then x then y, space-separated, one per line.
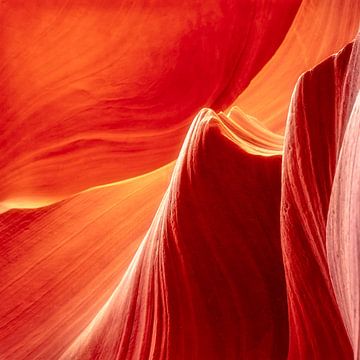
pixel 121 240
pixel 207 281
pixel 343 223
pixel 59 264
pixel 320 28
pixel 318 116
pixel 86 83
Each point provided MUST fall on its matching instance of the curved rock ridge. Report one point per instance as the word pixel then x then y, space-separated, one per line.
pixel 86 83
pixel 250 134
pixel 243 129
pixel 343 223
pixel 321 106
pixel 60 263
pixel 343 230
pixel 320 29
pixel 207 281
pixel 245 247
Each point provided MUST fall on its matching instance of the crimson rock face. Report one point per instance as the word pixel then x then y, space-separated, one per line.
pixel 205 273
pixel 316 125
pixel 152 205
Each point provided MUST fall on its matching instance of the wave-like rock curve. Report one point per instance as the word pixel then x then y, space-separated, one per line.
pixel 207 281
pixel 318 118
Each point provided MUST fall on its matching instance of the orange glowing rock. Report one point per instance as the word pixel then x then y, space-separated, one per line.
pixel 319 29
pixel 93 93
pixel 59 264
pixel 216 252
